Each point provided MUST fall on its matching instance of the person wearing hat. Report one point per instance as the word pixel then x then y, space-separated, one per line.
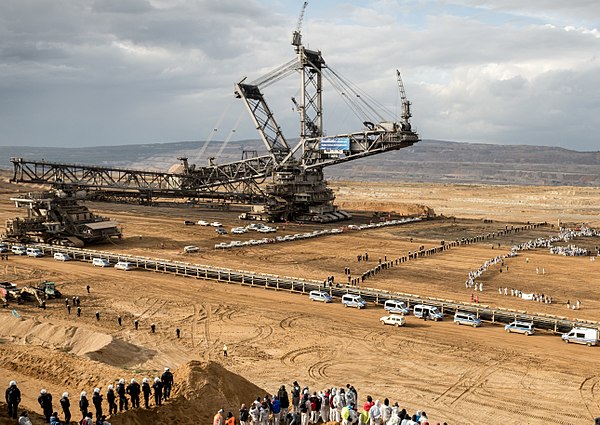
pixel 133 389
pixel 167 380
pixel 97 402
pixel 84 404
pixel 110 398
pixel 24 419
pixel 45 402
pixel 146 391
pixel 218 419
pixel 121 391
pixel 66 407
pixel 157 387
pixel 13 398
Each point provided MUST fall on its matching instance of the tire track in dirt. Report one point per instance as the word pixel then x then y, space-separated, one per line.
pixel 290 321
pixel 587 391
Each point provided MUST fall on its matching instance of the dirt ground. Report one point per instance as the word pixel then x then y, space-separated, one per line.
pixel 456 374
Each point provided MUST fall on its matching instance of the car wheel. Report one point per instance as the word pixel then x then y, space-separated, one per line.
pixel 507 330
pixel 527 334
pixel 566 341
pixel 474 326
pixel 458 323
pixel 397 325
pixel 589 344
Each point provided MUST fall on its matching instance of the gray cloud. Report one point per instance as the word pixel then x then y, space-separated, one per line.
pixel 136 71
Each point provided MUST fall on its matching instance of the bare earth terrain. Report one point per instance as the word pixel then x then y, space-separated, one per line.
pixel 460 375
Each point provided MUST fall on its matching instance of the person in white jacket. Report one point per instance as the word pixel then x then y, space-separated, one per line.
pixel 375 414
pixel 254 413
pixel 386 411
pixel 324 396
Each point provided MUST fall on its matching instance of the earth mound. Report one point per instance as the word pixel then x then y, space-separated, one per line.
pixel 72 339
pixel 199 391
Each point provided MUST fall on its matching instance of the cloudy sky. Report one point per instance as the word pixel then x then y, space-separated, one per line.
pixel 109 72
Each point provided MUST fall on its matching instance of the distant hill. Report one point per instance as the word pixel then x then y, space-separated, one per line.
pixel 427 161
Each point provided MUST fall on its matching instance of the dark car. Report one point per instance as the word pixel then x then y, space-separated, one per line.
pixel 220 231
pixel 189 223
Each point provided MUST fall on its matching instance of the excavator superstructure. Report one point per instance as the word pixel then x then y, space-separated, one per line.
pixel 286 182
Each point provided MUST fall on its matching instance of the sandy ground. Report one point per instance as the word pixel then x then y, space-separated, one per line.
pixel 457 374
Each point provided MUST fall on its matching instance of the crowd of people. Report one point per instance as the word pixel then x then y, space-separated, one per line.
pixel 120 392
pixel 564 235
pixel 301 407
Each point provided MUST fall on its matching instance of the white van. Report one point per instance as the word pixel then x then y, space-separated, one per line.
pixel 61 256
pixel 587 336
pixel 352 300
pixel 395 306
pixel 34 252
pixel 18 250
pixel 469 319
pixel 520 327
pixel 427 311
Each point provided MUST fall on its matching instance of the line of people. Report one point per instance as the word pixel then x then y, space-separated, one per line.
pixel 122 392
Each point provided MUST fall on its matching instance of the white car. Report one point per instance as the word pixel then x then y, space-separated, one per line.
pixel 215 224
pixel 124 265
pixel 238 230
pixel 34 252
pixel 393 319
pixel 61 256
pixel 203 223
pixel 190 249
pixel 100 262
pixel 267 229
pixel 18 250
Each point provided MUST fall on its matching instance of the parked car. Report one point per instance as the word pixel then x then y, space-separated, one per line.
pixel 203 223
pixel 393 319
pixel 352 300
pixel 3 247
pixel 580 335
pixel 190 249
pixel 220 231
pixel 61 256
pixel 520 327
pixel 100 262
pixel 395 306
pixel 320 296
pixel 124 265
pixel 423 311
pixel 461 318
pixel 18 250
pixel 216 224
pixel 189 223
pixel 34 252
pixel 238 230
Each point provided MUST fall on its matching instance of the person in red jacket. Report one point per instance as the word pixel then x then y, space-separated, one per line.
pixel 368 404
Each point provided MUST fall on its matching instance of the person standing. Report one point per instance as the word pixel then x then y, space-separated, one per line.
pixel 284 401
pixel 276 410
pixel 177 332
pixel 157 387
pixel 133 389
pixel 66 408
pixel 230 419
pixel 136 324
pixel 13 398
pixel 295 396
pixel 121 392
pixel 45 402
pixel 110 398
pixel 244 415
pixel 78 311
pixel 167 381
pixel 97 402
pixel 69 309
pixel 84 404
pixel 254 413
pixel 218 418
pixel 97 316
pixel 146 391
pixel 119 320
pixel 152 327
pixel 224 350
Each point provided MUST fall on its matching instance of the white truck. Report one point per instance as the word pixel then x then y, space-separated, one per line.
pixel 579 335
